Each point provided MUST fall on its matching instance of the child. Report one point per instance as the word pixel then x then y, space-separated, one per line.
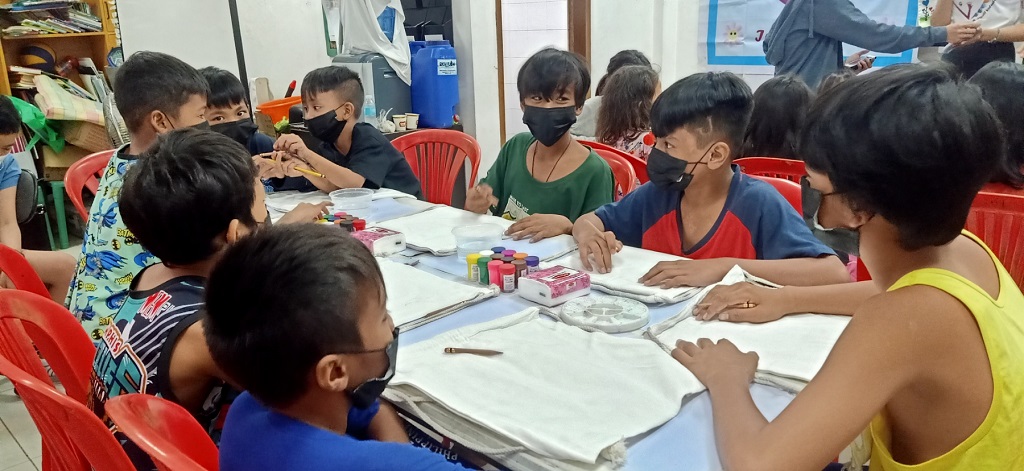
pixel 1002 84
pixel 154 344
pixel 54 268
pixel 155 93
pixel 625 118
pixel 228 113
pixel 780 108
pixel 351 154
pixel 586 122
pixel 545 179
pixel 932 367
pixel 330 360
pixel 698 204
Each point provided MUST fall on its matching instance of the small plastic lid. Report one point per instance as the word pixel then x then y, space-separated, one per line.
pixel 519 263
pixel 359 224
pixel 532 260
pixel 496 250
pixel 520 256
pixel 507 259
pixel 486 253
pixel 497 257
pixel 508 253
pixel 507 269
pixel 495 263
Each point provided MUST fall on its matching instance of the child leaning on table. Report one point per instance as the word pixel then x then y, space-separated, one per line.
pixel 330 360
pixel 699 205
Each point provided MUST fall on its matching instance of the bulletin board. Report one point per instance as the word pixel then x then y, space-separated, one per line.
pixel 732 31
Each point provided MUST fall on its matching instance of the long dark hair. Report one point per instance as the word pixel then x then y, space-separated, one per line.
pixel 780 110
pixel 626 104
pixel 619 60
pixel 1002 84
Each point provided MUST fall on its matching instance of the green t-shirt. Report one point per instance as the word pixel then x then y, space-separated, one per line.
pixel 520 194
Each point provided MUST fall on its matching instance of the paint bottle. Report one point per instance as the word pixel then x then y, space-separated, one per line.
pixel 494 272
pixel 520 256
pixel 359 224
pixel 532 264
pixel 497 256
pixel 507 259
pixel 472 268
pixel 497 249
pixel 508 277
pixel 486 254
pixel 484 275
pixel 520 266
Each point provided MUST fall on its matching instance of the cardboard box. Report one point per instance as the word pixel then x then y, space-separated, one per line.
pixel 56 165
pixel 88 136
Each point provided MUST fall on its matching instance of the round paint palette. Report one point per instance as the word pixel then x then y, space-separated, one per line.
pixel 610 314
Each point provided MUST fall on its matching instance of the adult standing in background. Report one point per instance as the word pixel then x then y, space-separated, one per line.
pixel 807 38
pixel 1000 26
pixel 586 122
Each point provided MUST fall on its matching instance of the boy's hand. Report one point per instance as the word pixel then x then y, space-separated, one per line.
pixel 305 213
pixel 695 273
pixel 741 302
pixel 290 168
pixel 539 227
pixel 267 167
pixel 480 199
pixel 717 365
pixel 292 144
pixel 599 245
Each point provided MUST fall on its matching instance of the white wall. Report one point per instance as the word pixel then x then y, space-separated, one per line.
pixel 195 31
pixel 476 46
pixel 283 40
pixel 527 27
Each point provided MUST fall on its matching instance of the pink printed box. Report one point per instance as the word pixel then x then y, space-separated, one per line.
pixel 553 286
pixel 382 242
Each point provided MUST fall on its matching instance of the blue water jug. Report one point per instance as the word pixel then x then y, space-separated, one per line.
pixel 435 84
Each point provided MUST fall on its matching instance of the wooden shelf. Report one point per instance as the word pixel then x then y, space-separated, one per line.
pixel 54 35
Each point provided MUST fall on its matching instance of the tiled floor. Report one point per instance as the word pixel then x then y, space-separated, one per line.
pixel 20 445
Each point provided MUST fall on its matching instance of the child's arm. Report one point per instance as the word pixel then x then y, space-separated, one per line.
pixel 192 367
pixel 727 302
pixel 538 227
pixel 825 270
pixel 335 175
pixel 386 426
pixel 10 233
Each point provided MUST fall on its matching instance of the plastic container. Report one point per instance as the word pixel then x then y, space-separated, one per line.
pixel 435 84
pixel 532 264
pixel 370 111
pixel 351 198
pixel 472 267
pixel 415 46
pixel 475 238
pixel 494 272
pixel 508 277
pixel 277 110
pixel 482 268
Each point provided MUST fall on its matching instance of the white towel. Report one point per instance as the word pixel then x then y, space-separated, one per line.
pixel 284 201
pixel 431 231
pixel 416 297
pixel 794 347
pixel 556 390
pixel 628 266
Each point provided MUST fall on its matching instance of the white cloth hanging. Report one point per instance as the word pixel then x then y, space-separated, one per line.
pixel 416 297
pixel 361 34
pixel 628 266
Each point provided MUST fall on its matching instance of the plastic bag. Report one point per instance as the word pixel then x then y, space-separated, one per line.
pixel 41 129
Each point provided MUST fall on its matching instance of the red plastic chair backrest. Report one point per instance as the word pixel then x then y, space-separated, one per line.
pixel 998 220
pixel 787 169
pixel 165 431
pixel 85 174
pixel 54 332
pixel 638 164
pixel 76 437
pixel 788 190
pixel 436 157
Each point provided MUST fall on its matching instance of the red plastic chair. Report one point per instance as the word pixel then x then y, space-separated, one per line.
pixel 21 274
pixel 998 220
pixel 791 170
pixel 77 439
pixel 165 431
pixel 788 189
pixel 625 178
pixel 436 157
pixel 639 165
pixel 85 174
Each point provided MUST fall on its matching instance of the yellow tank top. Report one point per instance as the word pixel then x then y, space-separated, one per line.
pixel 998 443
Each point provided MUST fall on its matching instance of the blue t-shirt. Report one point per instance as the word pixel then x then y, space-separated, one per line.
pixel 256 438
pixel 757 223
pixel 10 172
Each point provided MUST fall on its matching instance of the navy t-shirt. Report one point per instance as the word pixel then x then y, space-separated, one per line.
pixel 256 438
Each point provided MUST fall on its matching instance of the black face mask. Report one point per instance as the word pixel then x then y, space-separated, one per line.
pixel 548 125
pixel 240 131
pixel 202 126
pixel 326 127
pixel 670 173
pixel 365 394
pixel 839 239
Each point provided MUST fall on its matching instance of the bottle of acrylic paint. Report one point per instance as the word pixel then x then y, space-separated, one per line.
pixel 508 278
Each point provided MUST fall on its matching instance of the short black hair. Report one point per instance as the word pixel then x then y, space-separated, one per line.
pixel 335 78
pixel 10 119
pixel 1002 84
pixel 619 60
pixel 835 78
pixel 552 71
pixel 282 299
pixel 909 143
pixel 225 89
pixel 150 81
pixel 184 191
pixel 717 104
pixel 780 109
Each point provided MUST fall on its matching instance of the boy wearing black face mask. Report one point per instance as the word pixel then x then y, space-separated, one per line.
pixel 545 179
pixel 698 205
pixel 351 154
pixel 329 361
pixel 228 114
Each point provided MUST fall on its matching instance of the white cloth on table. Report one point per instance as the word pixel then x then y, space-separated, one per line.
pixel 285 201
pixel 431 231
pixel 792 348
pixel 628 266
pixel 416 297
pixel 556 390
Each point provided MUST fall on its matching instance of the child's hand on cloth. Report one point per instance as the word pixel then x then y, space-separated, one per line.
pixel 717 364
pixel 741 302
pixel 539 227
pixel 480 199
pixel 305 213
pixel 697 273
pixel 599 245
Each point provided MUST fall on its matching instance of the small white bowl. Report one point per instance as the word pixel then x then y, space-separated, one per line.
pixel 351 198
